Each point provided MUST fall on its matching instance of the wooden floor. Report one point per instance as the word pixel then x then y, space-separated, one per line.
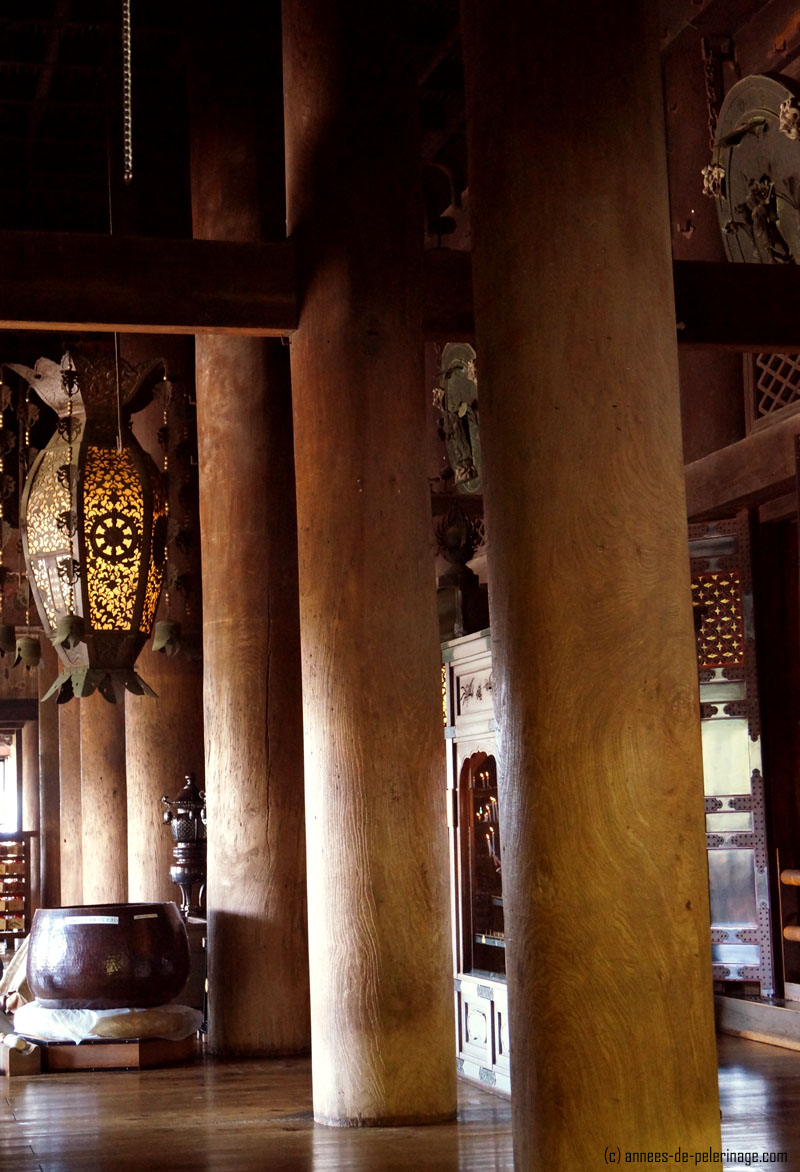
pixel 243 1117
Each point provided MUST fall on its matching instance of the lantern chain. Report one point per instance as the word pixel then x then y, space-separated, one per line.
pixel 187 518
pixel 715 50
pixel 70 384
pixel 23 473
pixel 165 433
pixel 2 526
pixel 127 91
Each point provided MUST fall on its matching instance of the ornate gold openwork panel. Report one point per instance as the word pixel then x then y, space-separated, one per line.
pixel 48 498
pixel 156 571
pixel 720 638
pixel 113 527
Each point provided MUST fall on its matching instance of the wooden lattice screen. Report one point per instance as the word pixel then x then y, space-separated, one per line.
pixel 772 383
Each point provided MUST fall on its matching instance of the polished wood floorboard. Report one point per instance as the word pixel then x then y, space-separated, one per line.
pixel 256 1117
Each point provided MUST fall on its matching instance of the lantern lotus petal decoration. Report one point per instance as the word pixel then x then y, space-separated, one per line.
pixel 167 637
pixel 29 651
pixel 93 526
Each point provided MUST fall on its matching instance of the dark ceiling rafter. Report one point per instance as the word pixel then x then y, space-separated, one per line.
pixel 705 16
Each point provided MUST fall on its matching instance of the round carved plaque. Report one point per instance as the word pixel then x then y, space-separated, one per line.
pixel 476 1026
pixel 755 171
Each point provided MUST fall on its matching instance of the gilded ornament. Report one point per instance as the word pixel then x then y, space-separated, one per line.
pixel 789 118
pixel 713 180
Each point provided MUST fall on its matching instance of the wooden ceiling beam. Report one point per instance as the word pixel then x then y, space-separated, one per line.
pixel 85 282
pixel 705 16
pixel 88 283
pixel 92 283
pixel 756 469
pixel 771 43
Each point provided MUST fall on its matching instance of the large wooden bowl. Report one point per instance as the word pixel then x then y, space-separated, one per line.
pixel 107 956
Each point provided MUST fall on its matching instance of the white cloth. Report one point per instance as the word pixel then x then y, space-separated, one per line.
pixel 173 1022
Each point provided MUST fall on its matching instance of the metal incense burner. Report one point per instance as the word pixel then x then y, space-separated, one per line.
pixel 186 817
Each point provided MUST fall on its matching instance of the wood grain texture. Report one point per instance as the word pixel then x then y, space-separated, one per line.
pixel 248 1117
pixel 71 282
pixel 192 286
pixel 712 401
pixel 754 469
pixel 163 735
pixel 69 773
pixel 226 1117
pixel 377 843
pixel 611 1019
pixel 104 810
pixel 258 966
pixel 49 787
pixel 164 741
pixel 30 804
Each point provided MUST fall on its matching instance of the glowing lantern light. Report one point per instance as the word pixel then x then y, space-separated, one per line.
pixel 93 522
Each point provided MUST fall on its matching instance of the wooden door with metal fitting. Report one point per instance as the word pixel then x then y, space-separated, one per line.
pixel 730 721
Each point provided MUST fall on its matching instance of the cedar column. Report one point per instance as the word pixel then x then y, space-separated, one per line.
pixel 382 1006
pixel 164 736
pixel 258 967
pixel 164 741
pixel 69 774
pixel 49 793
pixel 30 803
pixel 604 872
pixel 104 812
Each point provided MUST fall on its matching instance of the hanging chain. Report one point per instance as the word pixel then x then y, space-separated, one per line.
pixel 23 466
pixel 187 518
pixel 165 435
pixel 118 379
pixel 127 88
pixel 2 526
pixel 70 384
pixel 715 50
pixel 711 73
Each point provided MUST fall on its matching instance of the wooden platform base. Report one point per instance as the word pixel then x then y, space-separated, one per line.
pixel 137 1054
pixel 13 1063
pixel 773 1020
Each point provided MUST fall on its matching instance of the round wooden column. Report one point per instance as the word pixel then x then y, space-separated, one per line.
pixel 30 803
pixel 164 740
pixel 258 956
pixel 104 811
pixel 163 736
pixel 49 789
pixel 604 872
pixel 69 774
pixel 382 1002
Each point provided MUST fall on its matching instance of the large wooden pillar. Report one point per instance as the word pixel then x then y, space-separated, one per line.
pixel 604 874
pixel 104 810
pixel 49 790
pixel 164 736
pixel 30 803
pixel 258 968
pixel 164 741
pixel 382 1024
pixel 69 774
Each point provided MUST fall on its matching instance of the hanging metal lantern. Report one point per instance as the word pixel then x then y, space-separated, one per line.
pixel 93 525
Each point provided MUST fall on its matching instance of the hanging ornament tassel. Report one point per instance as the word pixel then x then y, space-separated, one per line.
pixel 69 631
pixel 29 652
pixel 166 632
